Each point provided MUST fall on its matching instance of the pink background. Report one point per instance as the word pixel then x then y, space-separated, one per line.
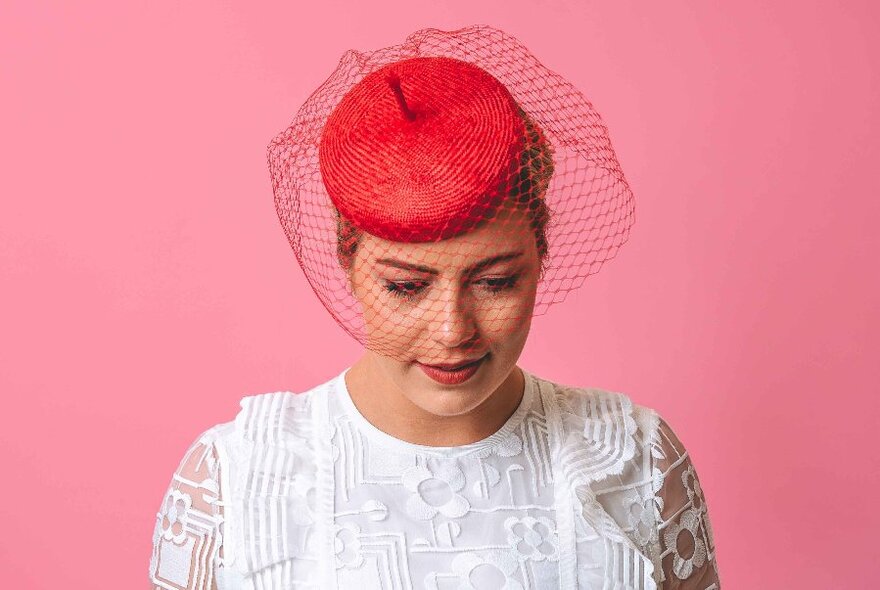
pixel 147 285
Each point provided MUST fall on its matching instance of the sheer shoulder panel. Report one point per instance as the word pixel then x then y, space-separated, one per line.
pixel 187 540
pixel 686 546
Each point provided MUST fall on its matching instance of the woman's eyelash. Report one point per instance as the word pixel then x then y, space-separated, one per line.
pixel 500 283
pixel 409 289
pixel 404 289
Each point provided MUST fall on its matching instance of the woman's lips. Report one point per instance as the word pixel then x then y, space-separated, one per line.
pixel 453 376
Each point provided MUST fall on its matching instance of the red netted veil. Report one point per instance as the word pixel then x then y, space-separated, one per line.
pixel 411 165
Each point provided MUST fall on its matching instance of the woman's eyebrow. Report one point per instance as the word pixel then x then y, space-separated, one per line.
pixel 470 270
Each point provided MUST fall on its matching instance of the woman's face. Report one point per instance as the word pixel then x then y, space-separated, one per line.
pixel 468 297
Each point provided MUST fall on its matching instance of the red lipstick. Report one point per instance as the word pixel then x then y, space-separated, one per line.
pixel 452 376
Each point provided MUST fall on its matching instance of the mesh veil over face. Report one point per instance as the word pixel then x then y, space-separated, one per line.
pixel 441 192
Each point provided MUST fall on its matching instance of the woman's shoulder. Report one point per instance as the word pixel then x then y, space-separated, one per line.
pixel 279 417
pixel 603 436
pixel 600 431
pixel 596 405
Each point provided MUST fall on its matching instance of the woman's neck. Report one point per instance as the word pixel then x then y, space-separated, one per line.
pixel 387 408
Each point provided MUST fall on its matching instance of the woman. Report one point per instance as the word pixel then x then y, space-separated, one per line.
pixel 437 200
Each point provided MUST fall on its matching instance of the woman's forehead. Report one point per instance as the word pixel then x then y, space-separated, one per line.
pixel 492 240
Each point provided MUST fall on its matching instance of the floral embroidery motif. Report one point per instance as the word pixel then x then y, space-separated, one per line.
pixel 511 446
pixel 689 524
pixel 347 546
pixel 692 485
pixel 175 515
pixel 533 538
pixel 435 490
pixel 642 515
pixel 486 571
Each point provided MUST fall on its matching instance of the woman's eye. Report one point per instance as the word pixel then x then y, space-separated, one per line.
pixel 496 284
pixel 410 289
pixel 404 289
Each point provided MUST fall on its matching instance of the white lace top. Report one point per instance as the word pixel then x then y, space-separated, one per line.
pixel 580 488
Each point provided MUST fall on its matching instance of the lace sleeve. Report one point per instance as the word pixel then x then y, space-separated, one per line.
pixel 686 546
pixel 187 538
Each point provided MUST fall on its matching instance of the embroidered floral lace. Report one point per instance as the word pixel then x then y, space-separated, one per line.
pixel 580 488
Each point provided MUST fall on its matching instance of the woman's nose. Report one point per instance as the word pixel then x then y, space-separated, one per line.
pixel 453 322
